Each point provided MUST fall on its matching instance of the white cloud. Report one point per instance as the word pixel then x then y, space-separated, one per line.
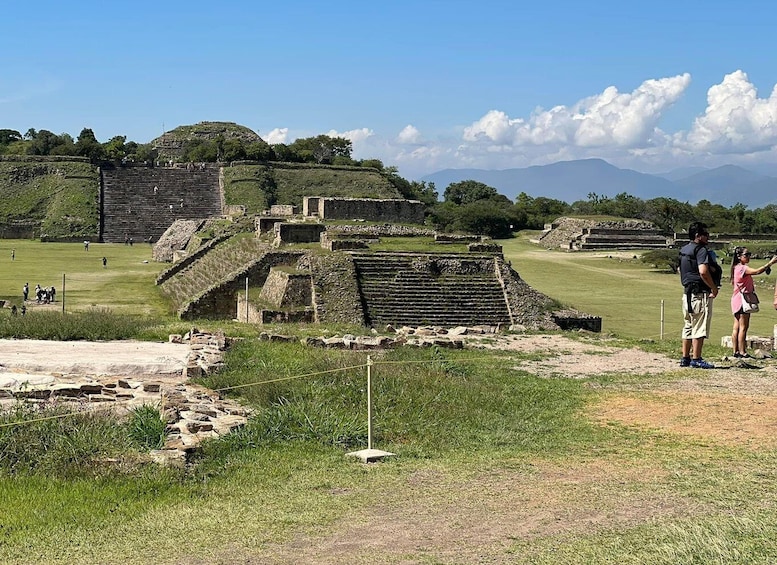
pixel 621 127
pixel 409 135
pixel 277 135
pixel 736 120
pixel 354 135
pixel 611 118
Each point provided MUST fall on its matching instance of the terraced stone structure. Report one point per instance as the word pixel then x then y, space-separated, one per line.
pixel 584 235
pixel 293 284
pixel 411 289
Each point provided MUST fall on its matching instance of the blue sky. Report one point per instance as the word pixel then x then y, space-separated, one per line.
pixel 421 85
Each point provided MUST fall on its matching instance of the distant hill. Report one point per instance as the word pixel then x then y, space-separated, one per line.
pixel 728 185
pixel 571 181
pixel 681 173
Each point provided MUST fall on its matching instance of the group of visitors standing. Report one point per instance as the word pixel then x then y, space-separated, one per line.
pixel 42 295
pixel 701 277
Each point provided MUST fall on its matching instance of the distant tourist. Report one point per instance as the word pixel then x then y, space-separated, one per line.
pixel 13 254
pixel 24 309
pixel 26 291
pixel 105 262
pixel 86 246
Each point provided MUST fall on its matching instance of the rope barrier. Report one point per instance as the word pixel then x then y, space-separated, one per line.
pixel 54 417
pixel 291 377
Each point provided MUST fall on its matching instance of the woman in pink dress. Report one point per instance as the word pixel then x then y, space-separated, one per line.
pixel 742 281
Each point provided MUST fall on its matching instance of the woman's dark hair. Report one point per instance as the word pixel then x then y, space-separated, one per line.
pixel 735 261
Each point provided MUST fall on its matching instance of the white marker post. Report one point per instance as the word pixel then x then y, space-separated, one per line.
pixel 369 455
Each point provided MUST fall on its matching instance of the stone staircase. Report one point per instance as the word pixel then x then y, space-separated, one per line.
pixel 212 269
pixel 131 207
pixel 430 289
pixel 603 238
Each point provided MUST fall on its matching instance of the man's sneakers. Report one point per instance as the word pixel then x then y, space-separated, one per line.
pixel 695 363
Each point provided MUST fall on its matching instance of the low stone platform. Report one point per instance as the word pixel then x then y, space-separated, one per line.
pixel 119 376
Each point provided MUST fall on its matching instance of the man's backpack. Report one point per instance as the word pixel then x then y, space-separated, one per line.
pixel 716 271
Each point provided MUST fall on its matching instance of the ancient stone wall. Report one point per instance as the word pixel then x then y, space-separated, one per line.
pixel 298 233
pixel 19 230
pixel 284 289
pixel 174 238
pixel 377 231
pixel 310 205
pixel 336 296
pixel 266 224
pixel 283 210
pixel 219 301
pixel 370 209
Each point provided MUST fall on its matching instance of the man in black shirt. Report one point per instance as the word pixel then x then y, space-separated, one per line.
pixel 697 268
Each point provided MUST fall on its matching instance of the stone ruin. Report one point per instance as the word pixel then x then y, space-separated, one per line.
pixel 394 210
pixel 193 413
pixel 578 234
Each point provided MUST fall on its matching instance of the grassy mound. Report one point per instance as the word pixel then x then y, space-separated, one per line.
pixel 259 186
pixel 54 199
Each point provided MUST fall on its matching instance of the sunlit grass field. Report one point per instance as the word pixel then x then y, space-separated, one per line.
pixel 126 284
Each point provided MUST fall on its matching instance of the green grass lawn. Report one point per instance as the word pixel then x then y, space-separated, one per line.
pixel 626 293
pixel 478 438
pixel 125 285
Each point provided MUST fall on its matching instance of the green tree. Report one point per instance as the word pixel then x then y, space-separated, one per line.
pixel 285 153
pixel 534 213
pixel 322 148
pixel 233 150
pixel 372 163
pixel 64 146
pixel 485 217
pixel 88 146
pixel 259 151
pixel 669 214
pixel 9 136
pixel 116 148
pixel 468 191
pixel 201 150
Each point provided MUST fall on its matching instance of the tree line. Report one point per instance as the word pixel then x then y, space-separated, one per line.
pixel 467 206
pixel 475 207
pixel 321 149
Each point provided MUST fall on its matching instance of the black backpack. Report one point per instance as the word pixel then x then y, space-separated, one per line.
pixel 716 271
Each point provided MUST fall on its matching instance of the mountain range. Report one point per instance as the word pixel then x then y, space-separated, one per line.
pixel 570 181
